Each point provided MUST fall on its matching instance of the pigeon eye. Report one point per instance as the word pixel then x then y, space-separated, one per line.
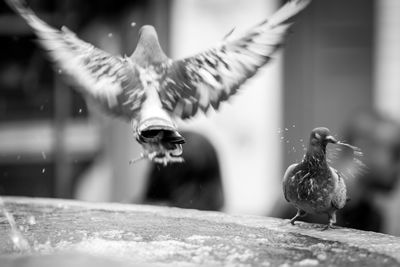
pixel 317 135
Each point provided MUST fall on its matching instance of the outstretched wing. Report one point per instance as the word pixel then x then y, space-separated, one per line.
pixel 347 160
pixel 109 80
pixel 207 79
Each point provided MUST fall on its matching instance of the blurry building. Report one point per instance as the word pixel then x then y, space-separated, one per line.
pixel 340 57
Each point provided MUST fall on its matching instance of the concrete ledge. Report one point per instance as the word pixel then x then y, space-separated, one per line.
pixel 93 234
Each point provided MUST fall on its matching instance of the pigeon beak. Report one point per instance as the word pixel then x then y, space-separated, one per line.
pixel 331 139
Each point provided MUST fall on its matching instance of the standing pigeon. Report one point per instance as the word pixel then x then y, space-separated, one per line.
pixel 151 90
pixel 312 186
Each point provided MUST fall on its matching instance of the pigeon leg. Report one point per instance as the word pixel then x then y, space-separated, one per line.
pixel 142 156
pixel 167 159
pixel 332 220
pixel 171 158
pixel 300 213
pixel 160 159
pixel 151 155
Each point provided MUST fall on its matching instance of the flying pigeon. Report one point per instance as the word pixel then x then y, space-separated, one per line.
pixel 313 186
pixel 151 90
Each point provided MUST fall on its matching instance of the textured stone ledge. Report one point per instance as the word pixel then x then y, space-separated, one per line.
pixel 65 232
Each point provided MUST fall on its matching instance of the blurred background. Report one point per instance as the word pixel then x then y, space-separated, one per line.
pixel 339 69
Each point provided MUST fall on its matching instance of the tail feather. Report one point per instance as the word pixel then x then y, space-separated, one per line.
pixel 173 137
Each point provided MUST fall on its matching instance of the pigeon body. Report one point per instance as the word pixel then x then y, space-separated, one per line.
pixel 151 90
pixel 313 186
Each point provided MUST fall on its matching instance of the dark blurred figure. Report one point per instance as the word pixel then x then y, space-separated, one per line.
pixel 379 139
pixel 195 183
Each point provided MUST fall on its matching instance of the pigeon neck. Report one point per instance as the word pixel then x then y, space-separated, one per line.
pixel 148 50
pixel 316 154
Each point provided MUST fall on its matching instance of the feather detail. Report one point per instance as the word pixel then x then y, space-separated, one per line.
pixel 108 80
pixel 211 77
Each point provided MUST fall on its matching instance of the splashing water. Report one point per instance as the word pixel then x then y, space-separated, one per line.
pixel 290 146
pixel 19 241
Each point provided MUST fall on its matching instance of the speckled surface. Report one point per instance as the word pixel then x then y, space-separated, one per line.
pixel 65 232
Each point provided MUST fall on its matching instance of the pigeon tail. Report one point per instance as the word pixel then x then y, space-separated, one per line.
pixel 148 50
pixel 157 129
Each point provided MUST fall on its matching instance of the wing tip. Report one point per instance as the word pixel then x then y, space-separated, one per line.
pixel 20 7
pixel 288 11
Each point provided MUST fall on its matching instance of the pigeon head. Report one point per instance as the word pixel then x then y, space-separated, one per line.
pixel 147 31
pixel 148 50
pixel 321 136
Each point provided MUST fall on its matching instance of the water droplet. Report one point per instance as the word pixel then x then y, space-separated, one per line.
pixel 301 140
pixel 80 111
pixel 43 155
pixel 110 35
pixel 282 138
pixel 294 126
pixel 287 141
pixel 19 242
pixel 31 220
pixel 133 24
pixel 60 71
pixel 286 129
pixel 43 170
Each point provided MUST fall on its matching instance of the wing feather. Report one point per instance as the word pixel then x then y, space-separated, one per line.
pixel 211 77
pixel 339 199
pixel 285 182
pixel 108 79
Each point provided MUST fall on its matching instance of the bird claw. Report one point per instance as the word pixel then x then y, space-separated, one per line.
pixel 149 156
pixel 329 226
pixel 132 161
pixel 299 214
pixel 168 159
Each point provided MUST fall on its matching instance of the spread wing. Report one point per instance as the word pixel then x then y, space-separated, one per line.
pixel 207 79
pixel 113 82
pixel 347 160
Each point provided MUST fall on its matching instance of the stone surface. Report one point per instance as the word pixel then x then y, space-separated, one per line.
pixel 71 233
